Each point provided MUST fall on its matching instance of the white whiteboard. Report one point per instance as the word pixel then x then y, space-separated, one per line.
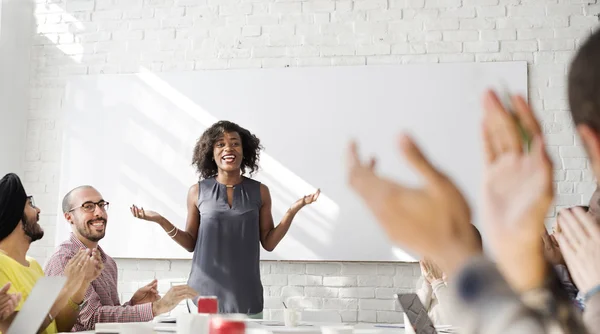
pixel 131 136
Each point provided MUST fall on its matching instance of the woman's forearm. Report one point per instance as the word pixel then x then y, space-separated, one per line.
pixel 183 238
pixel 278 232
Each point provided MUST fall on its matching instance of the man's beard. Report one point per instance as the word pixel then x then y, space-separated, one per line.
pixel 32 229
pixel 86 230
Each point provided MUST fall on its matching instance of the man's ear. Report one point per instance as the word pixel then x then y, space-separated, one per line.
pixel 69 217
pixel 591 142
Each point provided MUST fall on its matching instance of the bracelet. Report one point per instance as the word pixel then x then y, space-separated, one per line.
pixel 591 293
pixel 173 236
pixel 50 317
pixel 171 231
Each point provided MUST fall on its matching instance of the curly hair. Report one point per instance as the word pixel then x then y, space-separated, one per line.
pixel 203 157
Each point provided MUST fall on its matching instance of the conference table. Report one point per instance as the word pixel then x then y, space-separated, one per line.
pixel 277 327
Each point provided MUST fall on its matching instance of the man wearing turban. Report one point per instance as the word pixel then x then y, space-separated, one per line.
pixel 19 227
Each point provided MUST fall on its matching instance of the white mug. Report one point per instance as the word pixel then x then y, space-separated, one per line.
pixel 193 323
pixel 291 317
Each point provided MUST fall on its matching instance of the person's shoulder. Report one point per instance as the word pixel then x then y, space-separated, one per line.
pixel 257 185
pixel 59 259
pixel 6 261
pixel 208 180
pixel 246 178
pixel 254 186
pixel 66 250
pixel 4 257
pixel 34 265
pixel 264 191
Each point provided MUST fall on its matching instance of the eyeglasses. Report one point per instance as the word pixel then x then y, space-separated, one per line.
pixel 31 201
pixel 91 206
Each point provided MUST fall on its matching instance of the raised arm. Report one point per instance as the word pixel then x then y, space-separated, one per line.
pixel 271 235
pixel 186 239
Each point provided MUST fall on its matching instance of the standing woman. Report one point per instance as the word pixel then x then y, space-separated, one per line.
pixel 228 216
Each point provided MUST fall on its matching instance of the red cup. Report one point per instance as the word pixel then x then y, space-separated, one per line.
pixel 208 305
pixel 222 325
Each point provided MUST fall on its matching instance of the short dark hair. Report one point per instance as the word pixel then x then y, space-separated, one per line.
pixel 584 84
pixel 203 151
pixel 66 202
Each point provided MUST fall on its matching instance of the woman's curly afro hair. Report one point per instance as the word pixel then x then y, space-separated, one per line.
pixel 203 151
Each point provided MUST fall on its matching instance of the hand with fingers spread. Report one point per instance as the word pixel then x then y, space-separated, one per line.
pixel 579 241
pixel 434 220
pixel 305 200
pixel 8 302
pixel 172 298
pixel 517 191
pixel 146 294
pixel 145 214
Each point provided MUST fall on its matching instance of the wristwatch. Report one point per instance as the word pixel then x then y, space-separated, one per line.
pixel 75 306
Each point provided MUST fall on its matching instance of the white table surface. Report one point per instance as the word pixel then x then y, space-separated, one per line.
pixel 277 327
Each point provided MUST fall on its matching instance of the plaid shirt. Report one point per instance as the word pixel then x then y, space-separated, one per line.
pixel 102 297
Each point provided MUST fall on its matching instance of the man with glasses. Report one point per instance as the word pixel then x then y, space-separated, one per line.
pixel 86 210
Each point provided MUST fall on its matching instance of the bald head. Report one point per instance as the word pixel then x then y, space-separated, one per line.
pixel 85 211
pixel 67 202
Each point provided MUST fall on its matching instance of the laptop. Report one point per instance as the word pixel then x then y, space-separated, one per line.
pixel 416 313
pixel 39 302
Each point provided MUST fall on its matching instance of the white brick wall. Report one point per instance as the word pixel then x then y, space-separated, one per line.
pixel 121 36
pixel 16 32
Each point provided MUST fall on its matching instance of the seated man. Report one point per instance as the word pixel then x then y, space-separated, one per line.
pixel 85 209
pixel 18 229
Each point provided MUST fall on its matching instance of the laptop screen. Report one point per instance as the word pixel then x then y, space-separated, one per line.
pixel 416 313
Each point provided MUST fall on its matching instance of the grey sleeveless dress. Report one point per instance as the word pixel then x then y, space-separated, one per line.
pixel 226 261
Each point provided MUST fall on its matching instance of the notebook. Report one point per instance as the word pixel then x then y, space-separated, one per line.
pixel 38 304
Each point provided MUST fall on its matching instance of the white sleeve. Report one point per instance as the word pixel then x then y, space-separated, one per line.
pixel 424 292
